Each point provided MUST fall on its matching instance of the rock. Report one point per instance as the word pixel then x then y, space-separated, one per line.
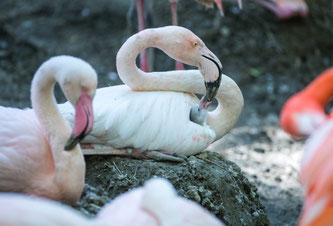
pixel 207 178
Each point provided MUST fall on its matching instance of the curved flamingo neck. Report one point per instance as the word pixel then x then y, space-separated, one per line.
pixel 321 89
pixel 68 179
pixel 230 105
pixel 56 130
pixel 137 79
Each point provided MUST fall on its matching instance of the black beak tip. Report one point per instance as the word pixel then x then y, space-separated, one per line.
pixel 71 143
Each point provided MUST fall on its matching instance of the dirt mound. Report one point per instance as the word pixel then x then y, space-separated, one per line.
pixel 207 178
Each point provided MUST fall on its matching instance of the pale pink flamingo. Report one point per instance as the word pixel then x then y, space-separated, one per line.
pixel 152 111
pixel 154 204
pixel 38 154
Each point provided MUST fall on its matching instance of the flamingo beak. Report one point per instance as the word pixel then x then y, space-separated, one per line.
pixel 84 121
pixel 212 86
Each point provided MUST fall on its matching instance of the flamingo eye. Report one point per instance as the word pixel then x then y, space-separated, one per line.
pixel 195 44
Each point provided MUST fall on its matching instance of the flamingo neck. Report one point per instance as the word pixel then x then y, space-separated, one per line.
pixel 230 105
pixel 137 79
pixel 321 89
pixel 54 126
pixel 44 105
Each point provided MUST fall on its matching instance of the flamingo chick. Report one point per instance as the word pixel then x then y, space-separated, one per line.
pixel 305 111
pixel 152 111
pixel 156 204
pixel 38 154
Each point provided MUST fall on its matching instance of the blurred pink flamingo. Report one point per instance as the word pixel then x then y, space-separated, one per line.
pixel 154 204
pixel 317 177
pixel 304 115
pixel 34 156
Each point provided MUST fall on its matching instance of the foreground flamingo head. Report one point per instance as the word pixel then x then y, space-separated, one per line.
pixel 183 45
pixel 301 116
pixel 79 86
pixel 156 203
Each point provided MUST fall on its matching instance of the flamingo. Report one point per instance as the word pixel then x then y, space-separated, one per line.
pixel 38 153
pixel 304 111
pixel 151 112
pixel 303 115
pixel 317 177
pixel 156 203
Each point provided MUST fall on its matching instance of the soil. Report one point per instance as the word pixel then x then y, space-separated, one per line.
pixel 269 59
pixel 216 183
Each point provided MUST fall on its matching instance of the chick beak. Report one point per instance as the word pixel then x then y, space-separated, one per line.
pixel 204 104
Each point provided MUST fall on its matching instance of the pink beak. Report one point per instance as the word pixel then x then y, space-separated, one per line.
pixel 84 121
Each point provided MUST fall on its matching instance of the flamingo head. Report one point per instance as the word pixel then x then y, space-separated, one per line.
pixel 184 46
pixel 79 86
pixel 300 116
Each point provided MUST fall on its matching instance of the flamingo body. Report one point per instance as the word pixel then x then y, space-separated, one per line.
pixel 29 133
pixel 317 176
pixel 156 120
pixel 152 111
pixel 304 115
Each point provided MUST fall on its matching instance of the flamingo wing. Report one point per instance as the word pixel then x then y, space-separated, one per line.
pixel 24 150
pixel 145 120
